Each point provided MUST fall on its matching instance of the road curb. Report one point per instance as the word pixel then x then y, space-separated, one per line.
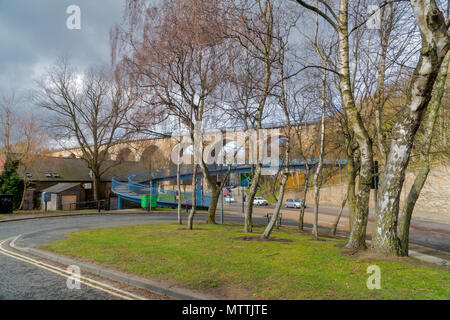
pixel 48 217
pixel 425 257
pixel 76 215
pixel 428 258
pixel 156 287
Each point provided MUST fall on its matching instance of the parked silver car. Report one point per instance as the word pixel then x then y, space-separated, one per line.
pixel 294 203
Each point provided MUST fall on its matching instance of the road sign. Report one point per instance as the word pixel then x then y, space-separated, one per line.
pixel 46 197
pixel 246 179
pixel 375 178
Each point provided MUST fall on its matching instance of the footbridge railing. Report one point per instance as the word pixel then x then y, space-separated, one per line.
pixel 131 187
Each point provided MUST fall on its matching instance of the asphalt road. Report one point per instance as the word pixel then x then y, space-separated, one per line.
pixel 21 280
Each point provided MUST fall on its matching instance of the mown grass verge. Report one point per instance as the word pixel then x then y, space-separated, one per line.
pixel 212 259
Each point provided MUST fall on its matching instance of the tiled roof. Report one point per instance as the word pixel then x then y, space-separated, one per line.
pixel 60 187
pixel 50 169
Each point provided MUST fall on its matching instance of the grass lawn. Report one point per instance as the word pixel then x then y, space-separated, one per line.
pixel 212 260
pixel 271 198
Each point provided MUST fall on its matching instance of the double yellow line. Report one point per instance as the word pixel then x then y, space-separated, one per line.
pixel 64 273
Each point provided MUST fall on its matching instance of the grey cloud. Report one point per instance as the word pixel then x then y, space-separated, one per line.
pixel 33 34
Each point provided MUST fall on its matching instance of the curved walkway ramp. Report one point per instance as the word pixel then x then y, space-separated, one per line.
pixel 132 187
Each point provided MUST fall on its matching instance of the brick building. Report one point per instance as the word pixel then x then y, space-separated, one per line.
pixel 52 172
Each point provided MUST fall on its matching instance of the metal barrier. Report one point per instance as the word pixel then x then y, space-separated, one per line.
pixel 97 205
pixel 131 187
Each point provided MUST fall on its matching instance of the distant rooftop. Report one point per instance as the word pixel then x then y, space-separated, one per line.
pixel 53 169
pixel 60 187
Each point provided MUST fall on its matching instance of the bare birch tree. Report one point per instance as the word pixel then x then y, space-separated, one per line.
pixel 425 145
pixel 7 121
pixel 324 56
pixel 256 33
pixel 339 21
pixel 22 138
pixel 87 109
pixel 30 147
pixel 285 166
pixel 179 58
pixel 435 45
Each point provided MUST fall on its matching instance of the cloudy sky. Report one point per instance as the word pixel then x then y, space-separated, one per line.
pixel 33 34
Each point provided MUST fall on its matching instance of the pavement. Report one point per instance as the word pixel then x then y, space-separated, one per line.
pixel 45 215
pixel 29 273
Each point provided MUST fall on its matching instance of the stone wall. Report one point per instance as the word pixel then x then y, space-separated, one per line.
pixel 434 198
pixel 435 195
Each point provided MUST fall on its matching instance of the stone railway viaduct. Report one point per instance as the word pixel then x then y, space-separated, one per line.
pixel 159 150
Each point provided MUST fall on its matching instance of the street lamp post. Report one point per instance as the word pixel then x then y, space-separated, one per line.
pixel 151 195
pixel 221 210
pixel 221 191
pixel 149 207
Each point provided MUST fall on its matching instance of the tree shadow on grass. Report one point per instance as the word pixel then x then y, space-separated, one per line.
pixel 262 239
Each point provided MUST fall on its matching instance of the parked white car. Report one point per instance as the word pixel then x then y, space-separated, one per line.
pixel 229 199
pixel 294 203
pixel 260 201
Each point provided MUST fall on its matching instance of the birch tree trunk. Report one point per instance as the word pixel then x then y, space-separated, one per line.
pixel 318 175
pixel 276 211
pixel 25 182
pixel 351 189
pixel 267 50
pixel 248 224
pixel 96 182
pixel 211 216
pixel 194 198
pixel 285 172
pixel 385 34
pixel 215 193
pixel 302 209
pixel 339 22
pixel 180 219
pixel 416 188
pixel 357 239
pixel 336 222
pixel 435 44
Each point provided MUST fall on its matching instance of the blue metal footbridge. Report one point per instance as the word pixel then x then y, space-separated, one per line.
pixel 133 186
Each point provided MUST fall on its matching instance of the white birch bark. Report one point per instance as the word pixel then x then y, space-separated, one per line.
pixel 416 188
pixel 357 239
pixel 180 219
pixel 318 174
pixel 435 44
